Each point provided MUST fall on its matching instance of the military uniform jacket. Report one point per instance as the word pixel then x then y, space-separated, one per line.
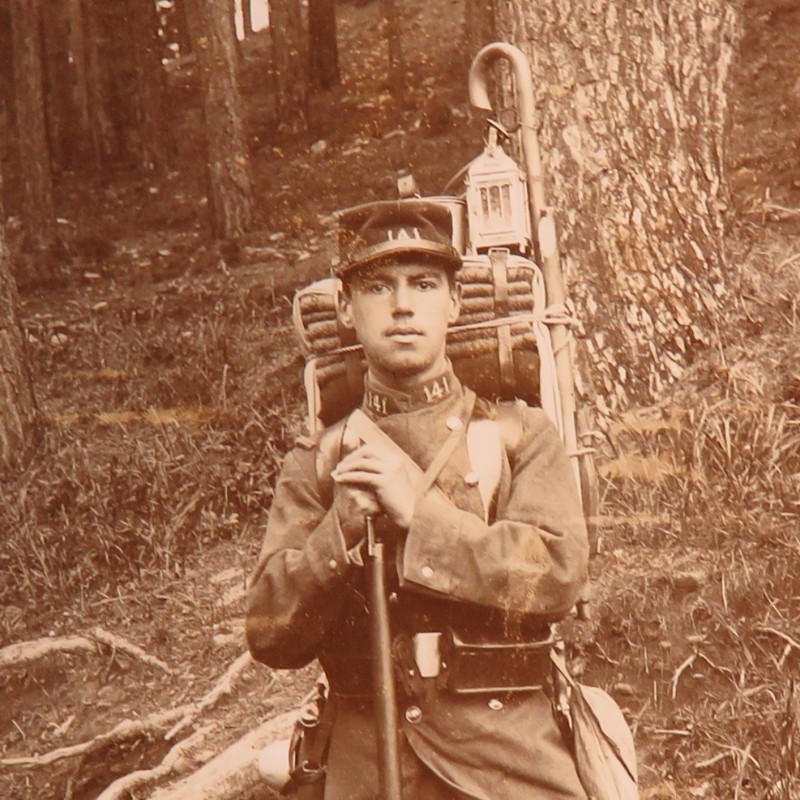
pixel 493 566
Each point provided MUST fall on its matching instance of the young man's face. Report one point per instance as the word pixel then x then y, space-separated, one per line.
pixel 400 313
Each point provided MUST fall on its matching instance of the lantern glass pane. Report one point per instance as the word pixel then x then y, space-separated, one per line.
pixel 507 208
pixel 496 208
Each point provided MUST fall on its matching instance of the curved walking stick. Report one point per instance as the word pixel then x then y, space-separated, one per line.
pixel 545 243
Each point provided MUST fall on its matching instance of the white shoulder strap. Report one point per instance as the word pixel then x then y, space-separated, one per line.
pixel 485 450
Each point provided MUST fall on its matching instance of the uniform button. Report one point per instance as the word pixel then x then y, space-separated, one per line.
pixel 471 479
pixel 413 714
pixel 495 704
pixel 454 423
pixel 427 571
pixel 332 563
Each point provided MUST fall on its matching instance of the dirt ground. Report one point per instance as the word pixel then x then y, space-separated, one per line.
pixel 170 383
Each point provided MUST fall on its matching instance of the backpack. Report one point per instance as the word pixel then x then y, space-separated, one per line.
pixel 500 347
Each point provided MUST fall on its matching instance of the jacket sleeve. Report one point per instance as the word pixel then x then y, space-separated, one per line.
pixel 293 599
pixel 532 559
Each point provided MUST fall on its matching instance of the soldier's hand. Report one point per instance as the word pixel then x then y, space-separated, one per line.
pixel 353 504
pixel 386 474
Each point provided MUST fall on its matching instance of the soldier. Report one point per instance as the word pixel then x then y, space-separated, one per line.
pixel 482 563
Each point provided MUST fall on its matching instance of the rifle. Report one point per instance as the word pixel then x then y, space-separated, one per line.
pixel 385 695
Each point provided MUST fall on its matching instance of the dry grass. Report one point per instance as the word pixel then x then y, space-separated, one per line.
pixel 159 436
pixel 698 587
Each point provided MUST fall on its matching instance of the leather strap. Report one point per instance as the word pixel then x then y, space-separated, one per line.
pixel 352 361
pixel 448 447
pixel 498 257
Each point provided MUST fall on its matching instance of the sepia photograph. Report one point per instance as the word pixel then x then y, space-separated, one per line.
pixel 400 400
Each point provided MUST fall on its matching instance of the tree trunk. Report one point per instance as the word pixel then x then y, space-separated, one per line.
pixel 18 413
pixel 230 191
pixel 94 76
pixel 394 51
pixel 131 80
pixel 61 133
pixel 36 182
pixel 247 17
pixel 633 106
pixel 323 52
pixel 155 144
pixel 289 62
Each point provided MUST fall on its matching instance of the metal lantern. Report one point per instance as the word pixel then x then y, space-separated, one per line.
pixel 497 201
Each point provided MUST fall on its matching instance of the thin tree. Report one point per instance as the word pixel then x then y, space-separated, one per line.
pixel 155 140
pixel 18 411
pixel 323 51
pixel 93 87
pixel 62 136
pixel 289 62
pixel 38 216
pixel 394 51
pixel 79 128
pixel 633 110
pixel 247 17
pixel 131 81
pixel 228 164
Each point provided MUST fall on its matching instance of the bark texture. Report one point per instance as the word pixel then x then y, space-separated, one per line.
pixel 35 174
pixel 229 185
pixel 17 404
pixel 632 106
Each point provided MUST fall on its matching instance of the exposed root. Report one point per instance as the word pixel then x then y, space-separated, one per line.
pixel 224 686
pixel 234 772
pixel 127 729
pixel 181 758
pixel 26 652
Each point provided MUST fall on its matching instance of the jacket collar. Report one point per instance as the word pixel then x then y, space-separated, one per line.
pixel 381 400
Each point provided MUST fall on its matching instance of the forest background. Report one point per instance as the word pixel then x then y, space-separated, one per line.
pixel 167 187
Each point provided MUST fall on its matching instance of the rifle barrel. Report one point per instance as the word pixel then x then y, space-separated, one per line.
pixel 385 694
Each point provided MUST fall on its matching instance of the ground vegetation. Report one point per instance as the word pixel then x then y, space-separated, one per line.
pixel 169 385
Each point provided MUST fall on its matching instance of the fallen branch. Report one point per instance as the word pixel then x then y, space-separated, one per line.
pixel 178 760
pixel 127 729
pixel 26 652
pixel 223 687
pixel 233 773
